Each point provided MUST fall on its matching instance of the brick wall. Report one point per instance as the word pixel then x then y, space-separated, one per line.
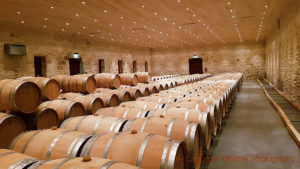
pixel 283 53
pixel 57 48
pixel 248 58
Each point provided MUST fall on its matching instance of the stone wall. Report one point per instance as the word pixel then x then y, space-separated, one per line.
pixel 57 48
pixel 248 58
pixel 283 53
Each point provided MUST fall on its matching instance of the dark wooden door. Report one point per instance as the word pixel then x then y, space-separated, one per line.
pixel 196 66
pixel 38 66
pixel 74 66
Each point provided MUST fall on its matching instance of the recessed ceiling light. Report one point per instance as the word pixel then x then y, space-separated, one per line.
pixel 105 11
pixel 95 20
pixel 179 27
pixel 228 3
pixel 19 12
pixel 102 37
pixel 22 22
pixel 233 16
pixel 134 22
pixel 123 28
pixel 67 23
pixel 51 7
pixel 110 25
pixel 63 29
pixel 46 19
pixel 76 14
pixel 121 17
pixel 109 34
pixel 143 6
pixel 44 26
pixel 155 13
pixel 187 9
pixel 194 15
pixel 83 2
pixel 160 32
pixel 145 26
pixel 84 27
pixel 230 10
pixel 165 19
pixel 173 23
pixel 78 33
pixel 266 6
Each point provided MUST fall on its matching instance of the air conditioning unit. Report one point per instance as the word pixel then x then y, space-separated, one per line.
pixel 15 49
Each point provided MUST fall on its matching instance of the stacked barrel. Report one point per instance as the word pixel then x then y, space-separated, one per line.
pixel 168 129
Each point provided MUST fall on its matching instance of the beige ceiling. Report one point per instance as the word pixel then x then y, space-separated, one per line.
pixel 148 23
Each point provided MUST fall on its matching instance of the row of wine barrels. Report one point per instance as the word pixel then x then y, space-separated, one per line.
pixel 107 80
pixel 19 95
pixel 157 99
pixel 134 92
pixel 14 160
pixel 10 127
pixel 76 83
pixel 128 79
pixel 49 144
pixel 146 150
pixel 142 89
pixel 143 77
pixel 97 124
pixel 177 129
pixel 49 87
pixel 43 118
pixel 64 108
pixel 91 104
pixel 109 99
pixel 127 113
pixel 152 88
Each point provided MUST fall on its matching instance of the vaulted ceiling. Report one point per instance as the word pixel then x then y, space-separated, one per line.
pixel 148 23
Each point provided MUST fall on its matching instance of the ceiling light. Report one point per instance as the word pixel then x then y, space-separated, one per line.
pixel 266 6
pixel 143 6
pixel 78 33
pixel 233 16
pixel 76 14
pixel 22 22
pixel 44 26
pixel 95 20
pixel 67 23
pixel 230 10
pixel 105 11
pixel 199 20
pixel 179 27
pixel 173 23
pixel 83 2
pixel 110 25
pixel 63 29
pixel 123 28
pixel 165 19
pixel 51 7
pixel 134 22
pixel 19 12
pixel 121 17
pixel 155 13
pixel 194 15
pixel 84 27
pixel 46 19
pixel 187 9
pixel 228 3
pixel 145 26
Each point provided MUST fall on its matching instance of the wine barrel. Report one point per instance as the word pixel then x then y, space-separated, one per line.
pixel 158 86
pixel 10 127
pixel 127 113
pixel 144 90
pixel 109 99
pixel 146 150
pixel 64 108
pixel 77 83
pixel 19 95
pixel 108 80
pixel 203 118
pixel 177 129
pixel 91 104
pixel 49 87
pixel 94 124
pixel 49 144
pixel 128 79
pixel 143 77
pixel 43 118
pixel 134 92
pixel 203 107
pixel 123 95
pixel 143 105
pixel 13 160
pixel 152 88
pixel 82 163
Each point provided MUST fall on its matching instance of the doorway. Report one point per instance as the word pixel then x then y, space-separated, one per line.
pixel 40 66
pixel 134 67
pixel 196 66
pixel 101 66
pixel 120 66
pixel 74 65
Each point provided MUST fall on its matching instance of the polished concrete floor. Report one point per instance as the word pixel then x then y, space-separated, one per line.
pixel 253 136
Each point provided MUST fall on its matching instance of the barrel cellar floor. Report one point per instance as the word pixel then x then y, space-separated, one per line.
pixel 253 136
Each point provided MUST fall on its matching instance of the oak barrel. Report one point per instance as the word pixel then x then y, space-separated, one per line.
pixel 107 80
pixel 128 79
pixel 10 127
pixel 81 163
pixel 203 118
pixel 177 129
pixel 14 160
pixel 127 113
pixel 94 124
pixel 134 92
pixel 19 95
pixel 50 144
pixel 109 99
pixel 143 77
pixel 91 104
pixel 64 108
pixel 146 150
pixel 50 88
pixel 143 105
